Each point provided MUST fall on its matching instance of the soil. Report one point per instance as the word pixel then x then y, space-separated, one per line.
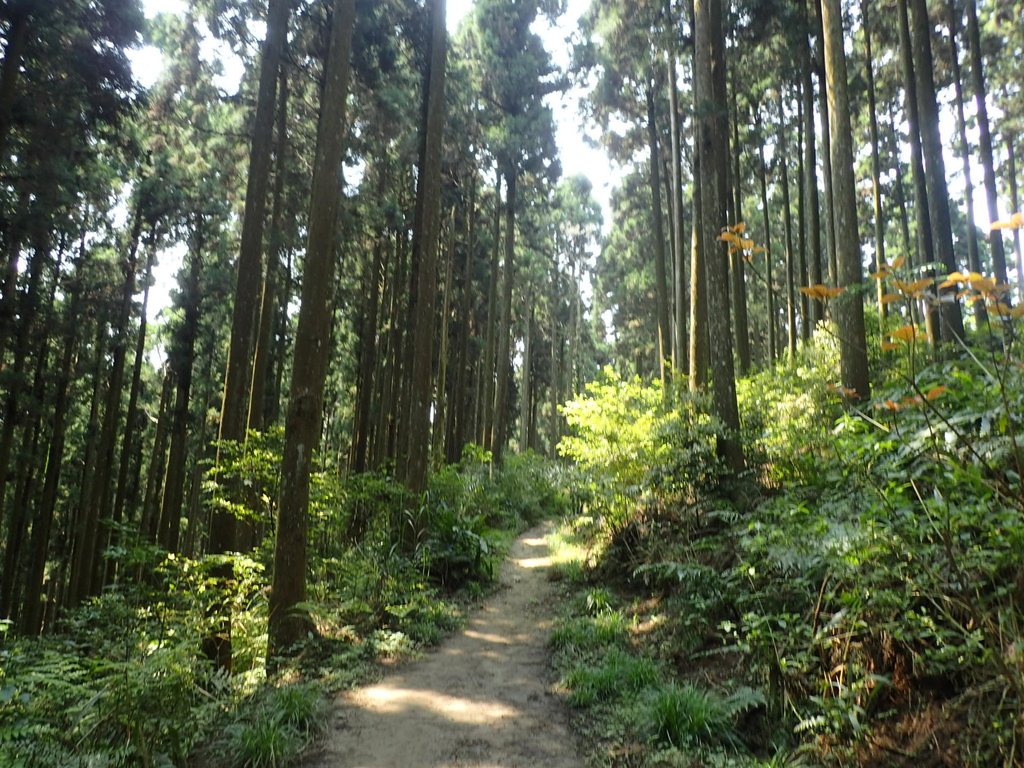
pixel 483 699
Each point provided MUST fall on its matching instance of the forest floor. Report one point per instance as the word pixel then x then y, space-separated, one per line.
pixel 482 699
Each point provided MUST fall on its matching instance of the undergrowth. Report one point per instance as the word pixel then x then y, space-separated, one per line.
pixel 121 681
pixel 859 604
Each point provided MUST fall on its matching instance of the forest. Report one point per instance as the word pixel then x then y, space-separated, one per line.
pixel 290 360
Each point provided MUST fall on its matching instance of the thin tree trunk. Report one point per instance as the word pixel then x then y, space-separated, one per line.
pixel 769 288
pixel 787 218
pixel 812 209
pixel 490 336
pixel 679 255
pixel 182 362
pixel 503 359
pixel 995 237
pixel 149 525
pixel 737 265
pixel 826 150
pixel 876 166
pixel 1011 162
pixel 973 259
pixel 660 269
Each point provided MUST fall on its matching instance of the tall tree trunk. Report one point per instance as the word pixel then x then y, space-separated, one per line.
pixel 461 409
pixel 709 41
pixel 39 546
pixel 491 334
pixel 132 416
pixel 1011 162
pixel 368 339
pixel 806 326
pixel 769 288
pixel 287 625
pixel 680 347
pixel 441 399
pixel 935 167
pixel 84 527
pixel 261 365
pixel 504 343
pixel 10 69
pixel 812 209
pixel 149 524
pixel 787 218
pixel 826 149
pixel 848 308
pixel 876 166
pixel 238 378
pixel 13 407
pixel 973 259
pixel 737 265
pixel 995 237
pixel 182 361
pixel 428 221
pixel 660 269
pixel 922 213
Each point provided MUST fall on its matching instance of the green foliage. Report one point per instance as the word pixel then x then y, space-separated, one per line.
pixel 634 450
pixel 617 674
pixel 685 715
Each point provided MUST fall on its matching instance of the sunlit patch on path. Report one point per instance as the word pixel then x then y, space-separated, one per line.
pixel 482 700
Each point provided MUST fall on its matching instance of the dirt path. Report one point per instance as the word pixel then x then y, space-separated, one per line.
pixel 482 699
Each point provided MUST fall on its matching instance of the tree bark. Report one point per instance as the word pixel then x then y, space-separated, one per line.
pixel 935 167
pixel 428 217
pixel 995 237
pixel 922 213
pixel 238 378
pixel 973 259
pixel 504 342
pixel 182 361
pixel 286 624
pixel 876 166
pixel 680 347
pixel 660 269
pixel 787 217
pixel 709 40
pixel 849 308
pixel 812 209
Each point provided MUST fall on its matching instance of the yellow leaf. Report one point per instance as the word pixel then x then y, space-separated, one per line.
pixel 906 333
pixel 880 274
pixel 1016 221
pixel 914 288
pixel 890 298
pixel 899 262
pixel 980 283
pixel 889 346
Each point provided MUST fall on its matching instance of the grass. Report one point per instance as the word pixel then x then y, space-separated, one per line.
pixel 618 674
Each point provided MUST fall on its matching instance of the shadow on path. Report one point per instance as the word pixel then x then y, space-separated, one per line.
pixel 482 699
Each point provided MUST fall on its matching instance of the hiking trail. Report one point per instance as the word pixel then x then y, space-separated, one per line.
pixel 482 699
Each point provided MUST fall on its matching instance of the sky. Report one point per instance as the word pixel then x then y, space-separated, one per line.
pixel 577 156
